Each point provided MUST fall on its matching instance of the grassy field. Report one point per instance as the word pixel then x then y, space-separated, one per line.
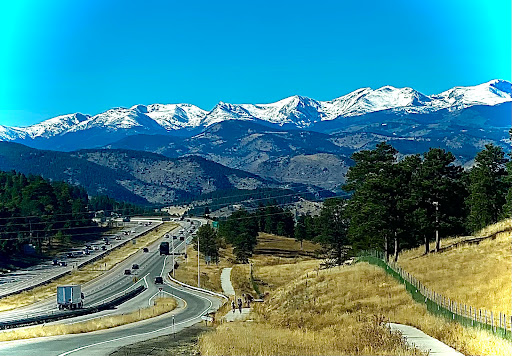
pixel 162 305
pixel 339 311
pixel 271 251
pixel 474 274
pixel 210 274
pixel 85 274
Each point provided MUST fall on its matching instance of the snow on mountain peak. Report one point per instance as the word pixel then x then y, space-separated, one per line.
pixel 297 111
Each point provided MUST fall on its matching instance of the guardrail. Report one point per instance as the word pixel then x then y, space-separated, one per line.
pixel 94 259
pixel 70 314
pixel 197 288
pixel 499 324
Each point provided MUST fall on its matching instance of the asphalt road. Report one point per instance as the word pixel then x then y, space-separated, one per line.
pixel 106 287
pixel 34 275
pixel 192 305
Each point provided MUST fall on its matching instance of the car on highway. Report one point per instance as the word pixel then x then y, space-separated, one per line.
pixel 159 280
pixel 135 266
pixel 145 249
pixel 127 271
pixel 103 247
pixel 63 264
pixel 69 255
pixel 118 238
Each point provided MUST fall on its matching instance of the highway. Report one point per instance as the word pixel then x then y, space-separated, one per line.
pixel 26 278
pixel 107 286
pixel 192 305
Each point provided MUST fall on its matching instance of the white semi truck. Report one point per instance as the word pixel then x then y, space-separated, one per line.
pixel 70 297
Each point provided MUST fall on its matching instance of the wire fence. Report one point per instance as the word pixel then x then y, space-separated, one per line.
pixel 499 324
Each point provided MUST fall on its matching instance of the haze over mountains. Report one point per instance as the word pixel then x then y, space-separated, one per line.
pixel 296 140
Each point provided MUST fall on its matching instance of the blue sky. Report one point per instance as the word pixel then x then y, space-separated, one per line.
pixel 60 56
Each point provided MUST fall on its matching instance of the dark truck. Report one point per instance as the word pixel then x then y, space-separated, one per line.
pixel 164 248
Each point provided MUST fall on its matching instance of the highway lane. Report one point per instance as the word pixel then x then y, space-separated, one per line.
pixel 109 285
pixel 45 271
pixel 104 342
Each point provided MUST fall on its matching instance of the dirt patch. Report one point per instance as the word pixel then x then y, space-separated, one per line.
pixel 184 343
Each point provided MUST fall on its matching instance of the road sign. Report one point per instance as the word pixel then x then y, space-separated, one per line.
pixel 215 224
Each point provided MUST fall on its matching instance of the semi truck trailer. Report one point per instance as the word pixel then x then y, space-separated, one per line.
pixel 70 297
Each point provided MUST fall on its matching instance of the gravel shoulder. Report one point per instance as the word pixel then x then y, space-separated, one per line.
pixel 183 343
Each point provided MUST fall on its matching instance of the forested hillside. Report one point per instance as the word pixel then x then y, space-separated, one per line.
pixel 394 204
pixel 35 210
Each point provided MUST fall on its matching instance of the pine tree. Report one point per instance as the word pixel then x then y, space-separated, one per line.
pixel 487 188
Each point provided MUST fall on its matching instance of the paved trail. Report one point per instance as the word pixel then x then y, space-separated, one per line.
pixel 424 342
pixel 225 280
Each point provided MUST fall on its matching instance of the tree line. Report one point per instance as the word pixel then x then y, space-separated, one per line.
pixel 394 203
pixel 44 212
pixel 33 209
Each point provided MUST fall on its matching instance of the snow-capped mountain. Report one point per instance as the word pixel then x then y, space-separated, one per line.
pixel 295 112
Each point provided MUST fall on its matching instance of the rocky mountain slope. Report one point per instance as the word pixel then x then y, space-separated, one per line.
pixel 138 177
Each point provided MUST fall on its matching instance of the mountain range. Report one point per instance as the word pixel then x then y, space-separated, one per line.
pixel 162 153
pixel 76 131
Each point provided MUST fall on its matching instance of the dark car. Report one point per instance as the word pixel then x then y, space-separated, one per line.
pixel 135 266
pixel 127 271
pixel 63 264
pixel 159 280
pixel 69 255
pixel 182 238
pixel 103 248
pixel 145 249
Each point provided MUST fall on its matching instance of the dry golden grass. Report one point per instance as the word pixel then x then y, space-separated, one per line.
pixel 162 305
pixel 210 274
pixel 85 274
pixel 504 225
pixel 476 275
pixel 283 246
pixel 273 250
pixel 339 311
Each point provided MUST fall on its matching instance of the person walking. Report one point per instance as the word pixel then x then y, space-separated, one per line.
pixel 233 306
pixel 240 305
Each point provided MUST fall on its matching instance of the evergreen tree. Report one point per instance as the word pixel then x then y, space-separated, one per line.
pixel 438 182
pixel 487 188
pixel 209 242
pixel 371 209
pixel 334 226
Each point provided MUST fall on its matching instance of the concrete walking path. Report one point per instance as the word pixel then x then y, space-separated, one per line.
pixel 236 315
pixel 227 288
pixel 424 342
pixel 225 281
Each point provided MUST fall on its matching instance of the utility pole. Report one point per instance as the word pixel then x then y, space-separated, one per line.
pixel 173 263
pixel 436 204
pixel 198 259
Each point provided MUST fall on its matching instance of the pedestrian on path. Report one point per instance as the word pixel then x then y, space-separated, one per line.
pixel 233 306
pixel 240 305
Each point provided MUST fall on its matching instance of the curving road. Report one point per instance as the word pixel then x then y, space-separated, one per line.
pixel 192 306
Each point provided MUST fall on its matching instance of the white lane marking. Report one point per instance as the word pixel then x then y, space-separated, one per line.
pixel 123 291
pixel 159 292
pixel 146 333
